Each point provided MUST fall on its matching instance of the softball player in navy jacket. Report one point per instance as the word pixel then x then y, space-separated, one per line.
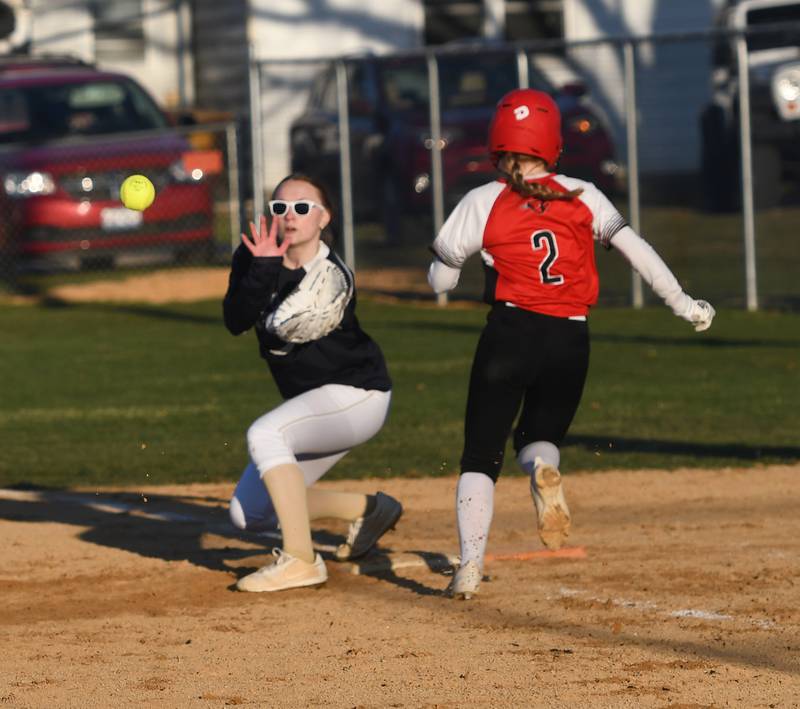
pixel 336 390
pixel 536 233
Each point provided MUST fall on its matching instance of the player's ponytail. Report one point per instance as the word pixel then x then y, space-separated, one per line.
pixel 535 190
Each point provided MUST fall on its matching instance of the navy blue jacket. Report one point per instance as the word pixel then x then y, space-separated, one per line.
pixel 347 355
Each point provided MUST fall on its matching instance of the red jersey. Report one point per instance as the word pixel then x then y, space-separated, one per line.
pixel 541 251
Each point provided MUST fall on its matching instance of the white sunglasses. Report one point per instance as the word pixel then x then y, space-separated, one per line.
pixel 301 207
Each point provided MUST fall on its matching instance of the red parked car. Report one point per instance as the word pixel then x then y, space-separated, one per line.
pixel 69 135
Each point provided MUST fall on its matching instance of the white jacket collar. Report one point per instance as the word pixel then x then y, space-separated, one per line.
pixel 322 254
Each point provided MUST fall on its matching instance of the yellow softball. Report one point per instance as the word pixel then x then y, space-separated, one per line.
pixel 137 192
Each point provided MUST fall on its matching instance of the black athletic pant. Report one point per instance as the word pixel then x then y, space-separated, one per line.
pixel 523 358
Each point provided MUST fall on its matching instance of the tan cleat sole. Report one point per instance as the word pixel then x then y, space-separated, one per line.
pixel 553 518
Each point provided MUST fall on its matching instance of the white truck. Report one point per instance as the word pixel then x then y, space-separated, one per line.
pixel 772 29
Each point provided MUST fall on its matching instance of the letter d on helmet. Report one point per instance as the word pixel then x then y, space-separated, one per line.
pixel 528 122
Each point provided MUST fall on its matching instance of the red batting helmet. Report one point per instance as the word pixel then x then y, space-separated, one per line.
pixel 528 122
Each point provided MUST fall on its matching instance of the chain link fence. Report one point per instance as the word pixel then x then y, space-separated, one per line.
pixel 60 210
pixel 705 172
pixel 709 174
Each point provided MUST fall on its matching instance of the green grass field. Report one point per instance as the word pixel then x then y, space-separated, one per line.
pixel 126 394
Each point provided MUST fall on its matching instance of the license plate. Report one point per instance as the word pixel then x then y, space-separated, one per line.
pixel 118 218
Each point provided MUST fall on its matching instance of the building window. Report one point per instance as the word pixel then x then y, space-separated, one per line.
pixel 8 20
pixel 534 19
pixel 448 20
pixel 118 29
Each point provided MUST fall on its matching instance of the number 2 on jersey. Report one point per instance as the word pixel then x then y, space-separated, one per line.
pixel 547 240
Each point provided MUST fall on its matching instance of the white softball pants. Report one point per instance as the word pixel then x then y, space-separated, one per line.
pixel 313 430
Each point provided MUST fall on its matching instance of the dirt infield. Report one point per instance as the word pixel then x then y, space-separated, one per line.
pixel 181 285
pixel 687 597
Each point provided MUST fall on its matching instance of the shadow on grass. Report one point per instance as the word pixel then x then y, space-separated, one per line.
pixel 690 340
pixel 615 444
pixel 155 312
pixel 693 340
pixel 160 312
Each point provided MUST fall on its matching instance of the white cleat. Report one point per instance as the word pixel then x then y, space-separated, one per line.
pixel 553 518
pixel 465 581
pixel 285 572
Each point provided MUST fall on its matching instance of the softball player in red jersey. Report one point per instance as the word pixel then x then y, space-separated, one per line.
pixel 536 233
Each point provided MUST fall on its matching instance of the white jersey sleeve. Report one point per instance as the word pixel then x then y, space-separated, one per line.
pixel 650 266
pixel 608 224
pixel 461 236
pixel 442 277
pixel 606 220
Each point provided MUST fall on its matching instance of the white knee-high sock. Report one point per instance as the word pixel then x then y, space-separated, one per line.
pixel 545 450
pixel 474 510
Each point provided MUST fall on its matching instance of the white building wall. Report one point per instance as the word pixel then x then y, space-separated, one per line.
pixel 672 84
pixel 66 27
pixel 61 27
pixel 282 30
pixel 163 69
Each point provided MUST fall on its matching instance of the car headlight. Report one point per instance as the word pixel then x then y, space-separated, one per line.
pixel 30 184
pixel 789 88
pixel 786 92
pixel 422 182
pixel 448 136
pixel 427 141
pixel 181 172
pixel 609 167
